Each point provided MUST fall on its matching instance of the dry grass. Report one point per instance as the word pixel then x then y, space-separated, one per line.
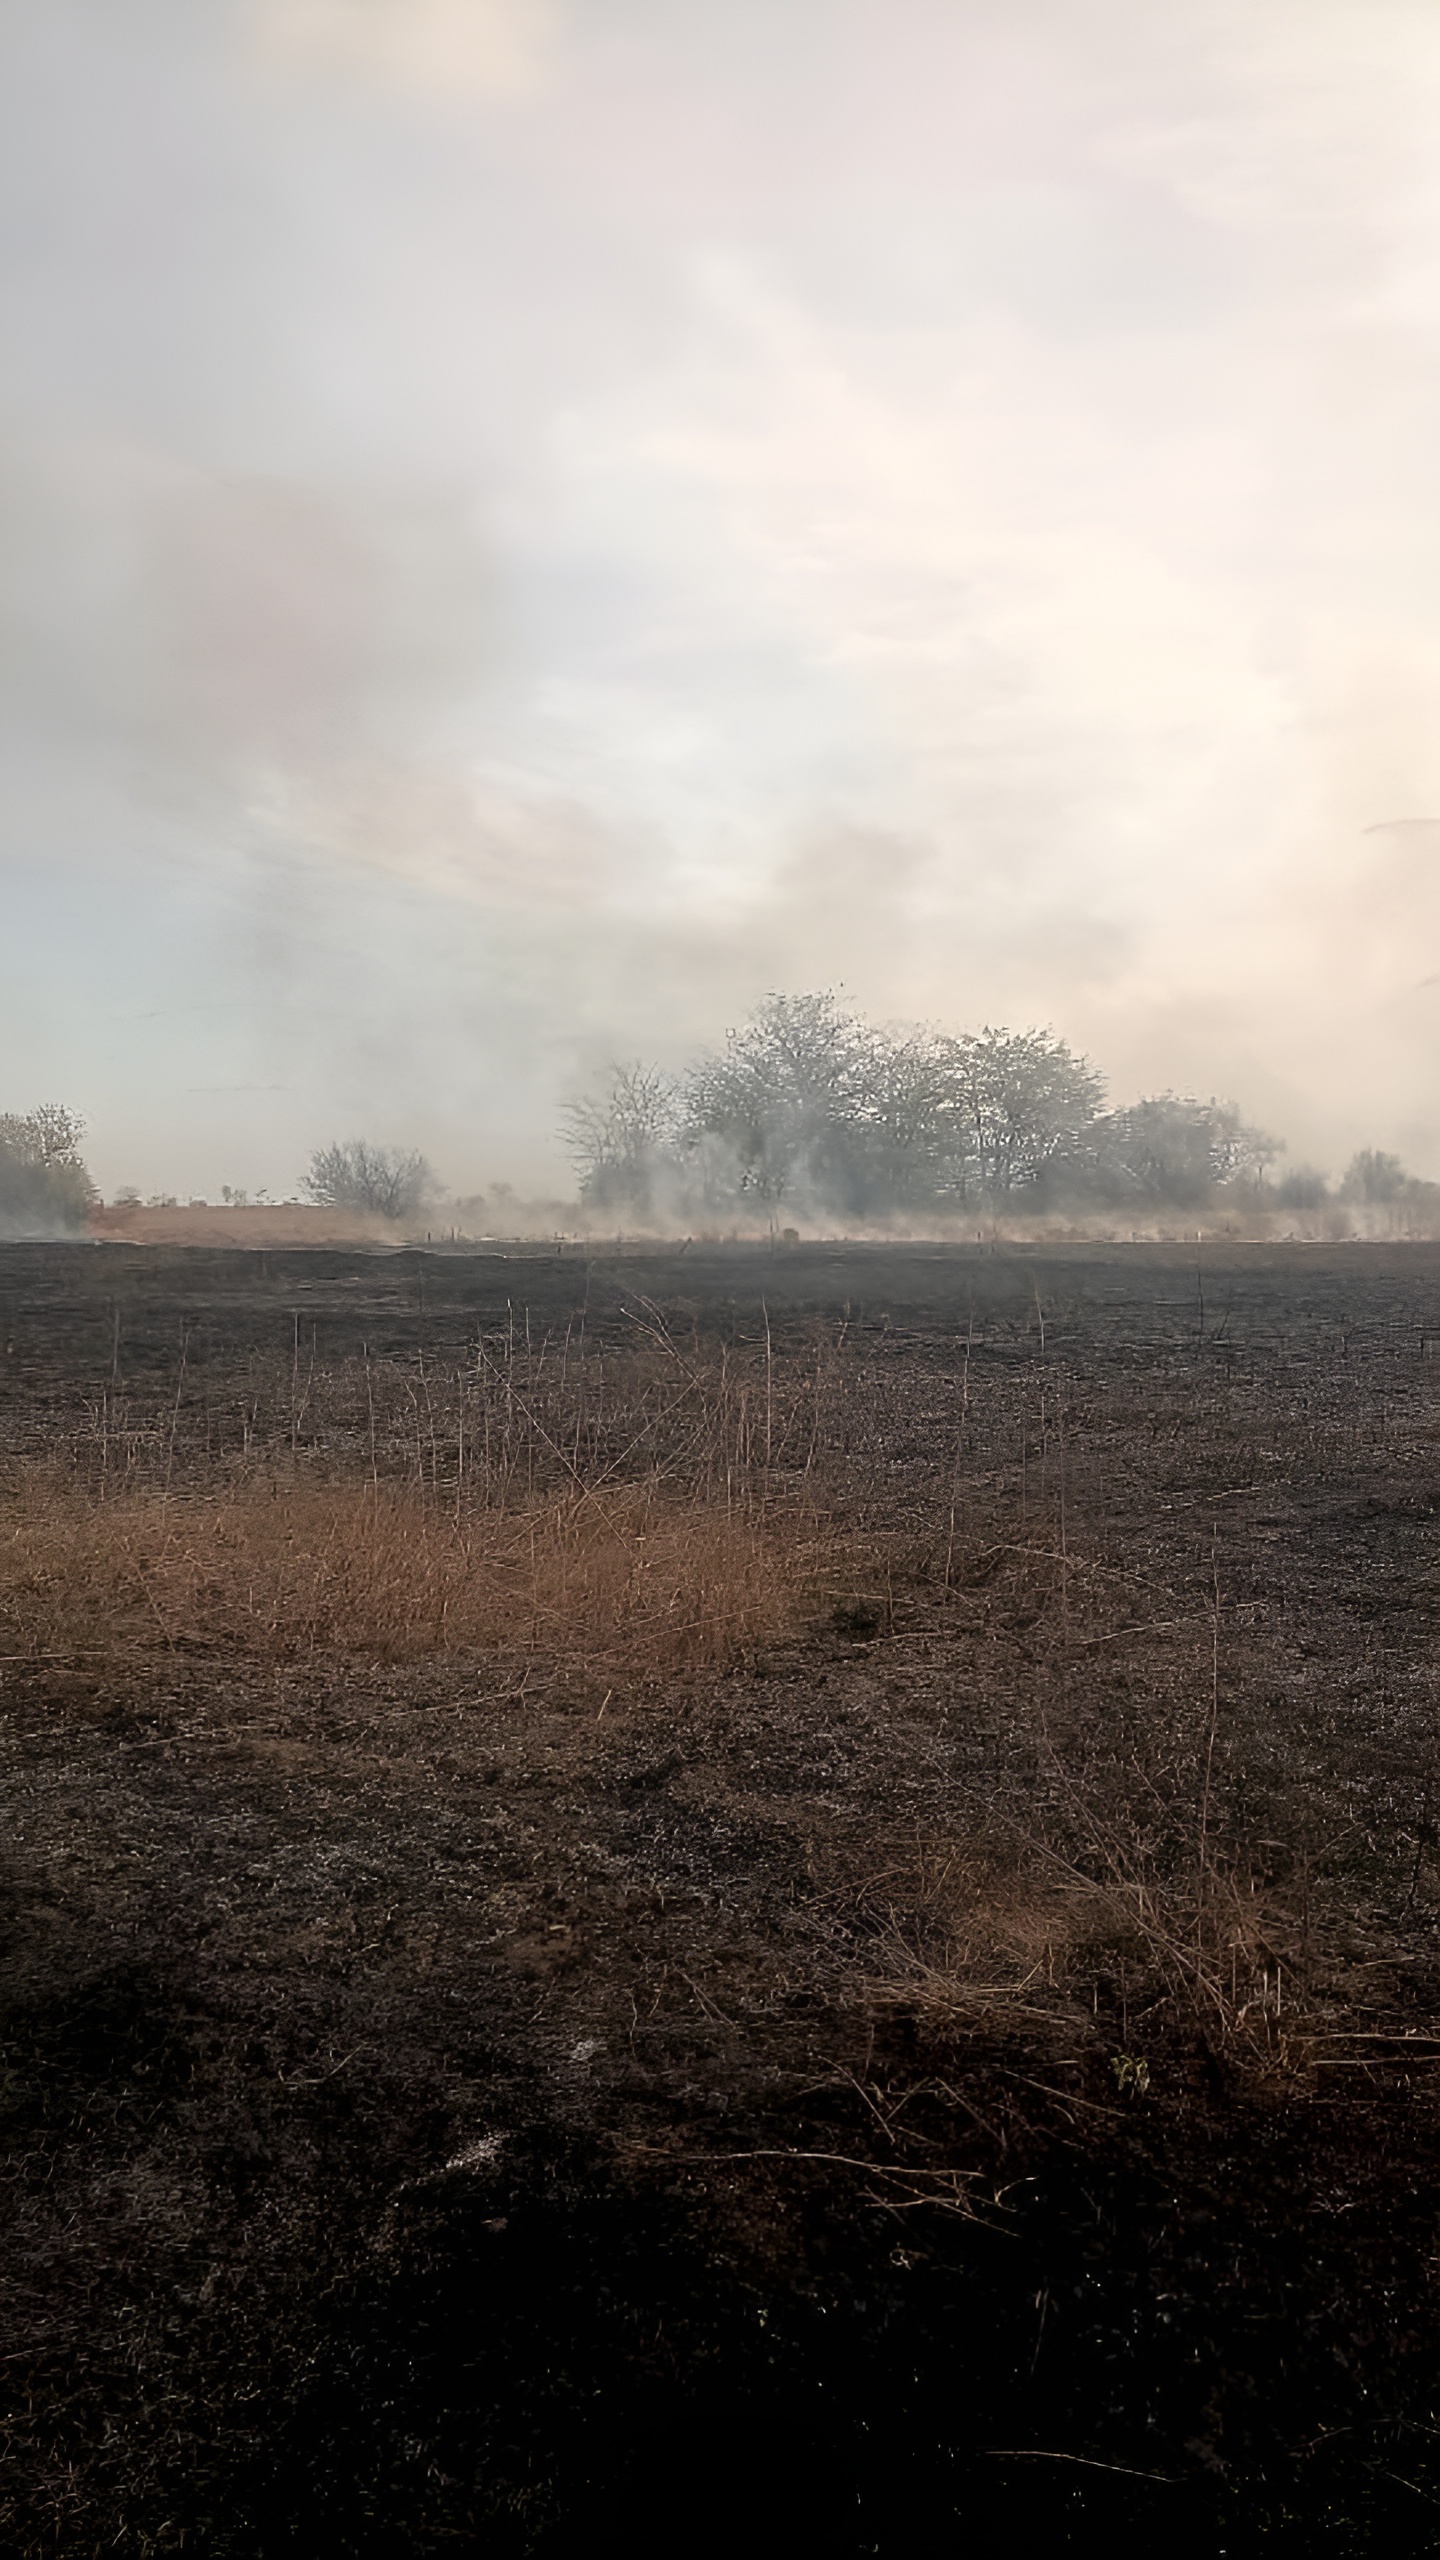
pixel 1005 1922
pixel 635 1581
pixel 638 1512
pixel 1030 1948
pixel 664 1506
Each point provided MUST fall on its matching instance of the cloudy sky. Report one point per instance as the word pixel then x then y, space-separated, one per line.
pixel 528 523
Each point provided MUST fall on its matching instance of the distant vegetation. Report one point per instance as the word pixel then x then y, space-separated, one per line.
pixel 44 1186
pixel 810 1111
pixel 380 1181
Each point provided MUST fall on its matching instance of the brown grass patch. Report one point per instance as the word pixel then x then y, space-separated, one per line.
pixel 976 1929
pixel 636 1581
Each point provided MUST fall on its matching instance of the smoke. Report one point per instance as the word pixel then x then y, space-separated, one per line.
pixel 529 526
pixel 442 48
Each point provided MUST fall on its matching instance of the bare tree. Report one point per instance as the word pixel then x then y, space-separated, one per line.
pixel 382 1181
pixel 622 1144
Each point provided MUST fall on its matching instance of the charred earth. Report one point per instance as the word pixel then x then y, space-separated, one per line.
pixel 680 1895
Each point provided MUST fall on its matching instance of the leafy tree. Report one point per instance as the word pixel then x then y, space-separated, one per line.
pixel 808 1104
pixel 1175 1152
pixel 381 1181
pixel 44 1185
pixel 1018 1109
pixel 811 1106
pixel 50 1135
pixel 917 1145
pixel 622 1146
pixel 1303 1187
pixel 1373 1179
pixel 788 1105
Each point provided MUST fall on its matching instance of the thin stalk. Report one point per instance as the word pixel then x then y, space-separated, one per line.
pixel 959 1455
pixel 1214 1718
pixel 370 1409
pixel 175 1415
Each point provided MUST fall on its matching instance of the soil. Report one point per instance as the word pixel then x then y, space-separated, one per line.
pixel 446 2112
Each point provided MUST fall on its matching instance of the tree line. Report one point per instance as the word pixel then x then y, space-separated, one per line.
pixel 812 1111
pixel 809 1111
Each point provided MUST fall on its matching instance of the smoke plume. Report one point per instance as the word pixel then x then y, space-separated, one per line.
pixel 527 526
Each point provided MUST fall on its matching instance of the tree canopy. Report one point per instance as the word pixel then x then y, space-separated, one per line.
pixel 809 1108
pixel 45 1188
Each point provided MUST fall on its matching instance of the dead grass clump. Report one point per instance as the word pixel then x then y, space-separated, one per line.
pixel 632 1582
pixel 962 1935
pixel 979 1933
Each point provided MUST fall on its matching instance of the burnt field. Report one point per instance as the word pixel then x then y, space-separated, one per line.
pixel 720 1893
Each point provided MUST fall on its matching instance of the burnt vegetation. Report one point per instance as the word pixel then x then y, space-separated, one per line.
pixel 815 1871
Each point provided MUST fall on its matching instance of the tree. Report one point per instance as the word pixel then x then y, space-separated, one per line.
pixel 916 1144
pixel 622 1146
pixel 1303 1187
pixel 44 1185
pixel 50 1135
pixel 1373 1178
pixel 782 1109
pixel 811 1106
pixel 1018 1108
pixel 381 1181
pixel 1175 1152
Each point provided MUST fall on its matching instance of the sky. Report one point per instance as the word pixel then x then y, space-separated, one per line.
pixel 529 524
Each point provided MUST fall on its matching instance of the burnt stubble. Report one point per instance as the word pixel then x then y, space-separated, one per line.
pixel 952 2057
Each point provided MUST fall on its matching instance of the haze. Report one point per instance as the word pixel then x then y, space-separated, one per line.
pixel 527 526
